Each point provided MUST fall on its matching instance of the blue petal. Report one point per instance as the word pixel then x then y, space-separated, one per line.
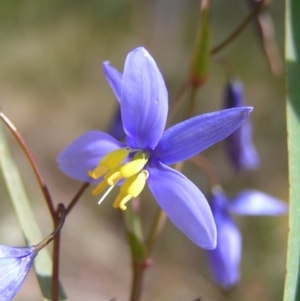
pixel 114 78
pixel 144 100
pixel 192 136
pixel 225 259
pixel 84 154
pixel 14 266
pixel 253 202
pixel 183 203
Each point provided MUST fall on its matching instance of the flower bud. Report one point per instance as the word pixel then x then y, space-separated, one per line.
pixel 239 146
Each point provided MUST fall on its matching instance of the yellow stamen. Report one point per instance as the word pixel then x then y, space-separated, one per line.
pixel 98 172
pixel 131 188
pixel 100 187
pixel 114 177
pixel 109 161
pixel 119 199
pixel 133 167
pixel 110 178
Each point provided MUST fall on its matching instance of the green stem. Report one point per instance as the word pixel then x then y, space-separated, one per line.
pixel 158 223
pixel 139 266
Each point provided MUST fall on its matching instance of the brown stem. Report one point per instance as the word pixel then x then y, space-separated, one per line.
pixel 55 266
pixel 33 164
pixel 138 276
pixel 240 28
pixel 157 225
pixel 77 197
pixel 61 211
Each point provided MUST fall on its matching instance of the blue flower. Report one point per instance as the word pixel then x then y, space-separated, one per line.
pixel 143 158
pixel 14 265
pixel 241 151
pixel 116 127
pixel 225 258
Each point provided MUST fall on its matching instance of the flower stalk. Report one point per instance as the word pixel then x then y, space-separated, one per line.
pixel 33 164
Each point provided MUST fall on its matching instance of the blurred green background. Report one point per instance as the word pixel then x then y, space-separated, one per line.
pixel 53 90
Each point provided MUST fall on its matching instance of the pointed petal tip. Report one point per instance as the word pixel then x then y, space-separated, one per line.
pixel 140 49
pixel 213 244
pixel 254 202
pixel 105 63
pixel 246 110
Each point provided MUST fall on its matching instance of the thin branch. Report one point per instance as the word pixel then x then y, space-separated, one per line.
pixel 61 211
pixel 207 168
pixel 77 197
pixel 240 28
pixel 55 266
pixel 33 164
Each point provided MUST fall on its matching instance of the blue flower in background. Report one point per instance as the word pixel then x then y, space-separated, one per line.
pixel 98 157
pixel 239 146
pixel 14 265
pixel 225 258
pixel 116 127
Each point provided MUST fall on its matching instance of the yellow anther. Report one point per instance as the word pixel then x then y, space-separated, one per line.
pixel 109 161
pixel 114 178
pixel 131 188
pixel 115 157
pixel 110 178
pixel 100 187
pixel 98 172
pixel 136 165
pixel 121 199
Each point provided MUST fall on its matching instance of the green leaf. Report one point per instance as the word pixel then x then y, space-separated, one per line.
pixel 292 57
pixel 30 228
pixel 200 61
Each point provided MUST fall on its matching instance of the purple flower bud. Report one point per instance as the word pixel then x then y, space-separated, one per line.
pixel 15 262
pixel 116 127
pixel 239 146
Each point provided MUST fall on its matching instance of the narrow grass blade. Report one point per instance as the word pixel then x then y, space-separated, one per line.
pixel 292 57
pixel 30 228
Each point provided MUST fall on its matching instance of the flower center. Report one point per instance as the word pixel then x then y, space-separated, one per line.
pixel 113 169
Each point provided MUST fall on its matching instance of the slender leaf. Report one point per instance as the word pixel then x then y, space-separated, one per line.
pixel 30 228
pixel 292 56
pixel 201 57
pixel 134 234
